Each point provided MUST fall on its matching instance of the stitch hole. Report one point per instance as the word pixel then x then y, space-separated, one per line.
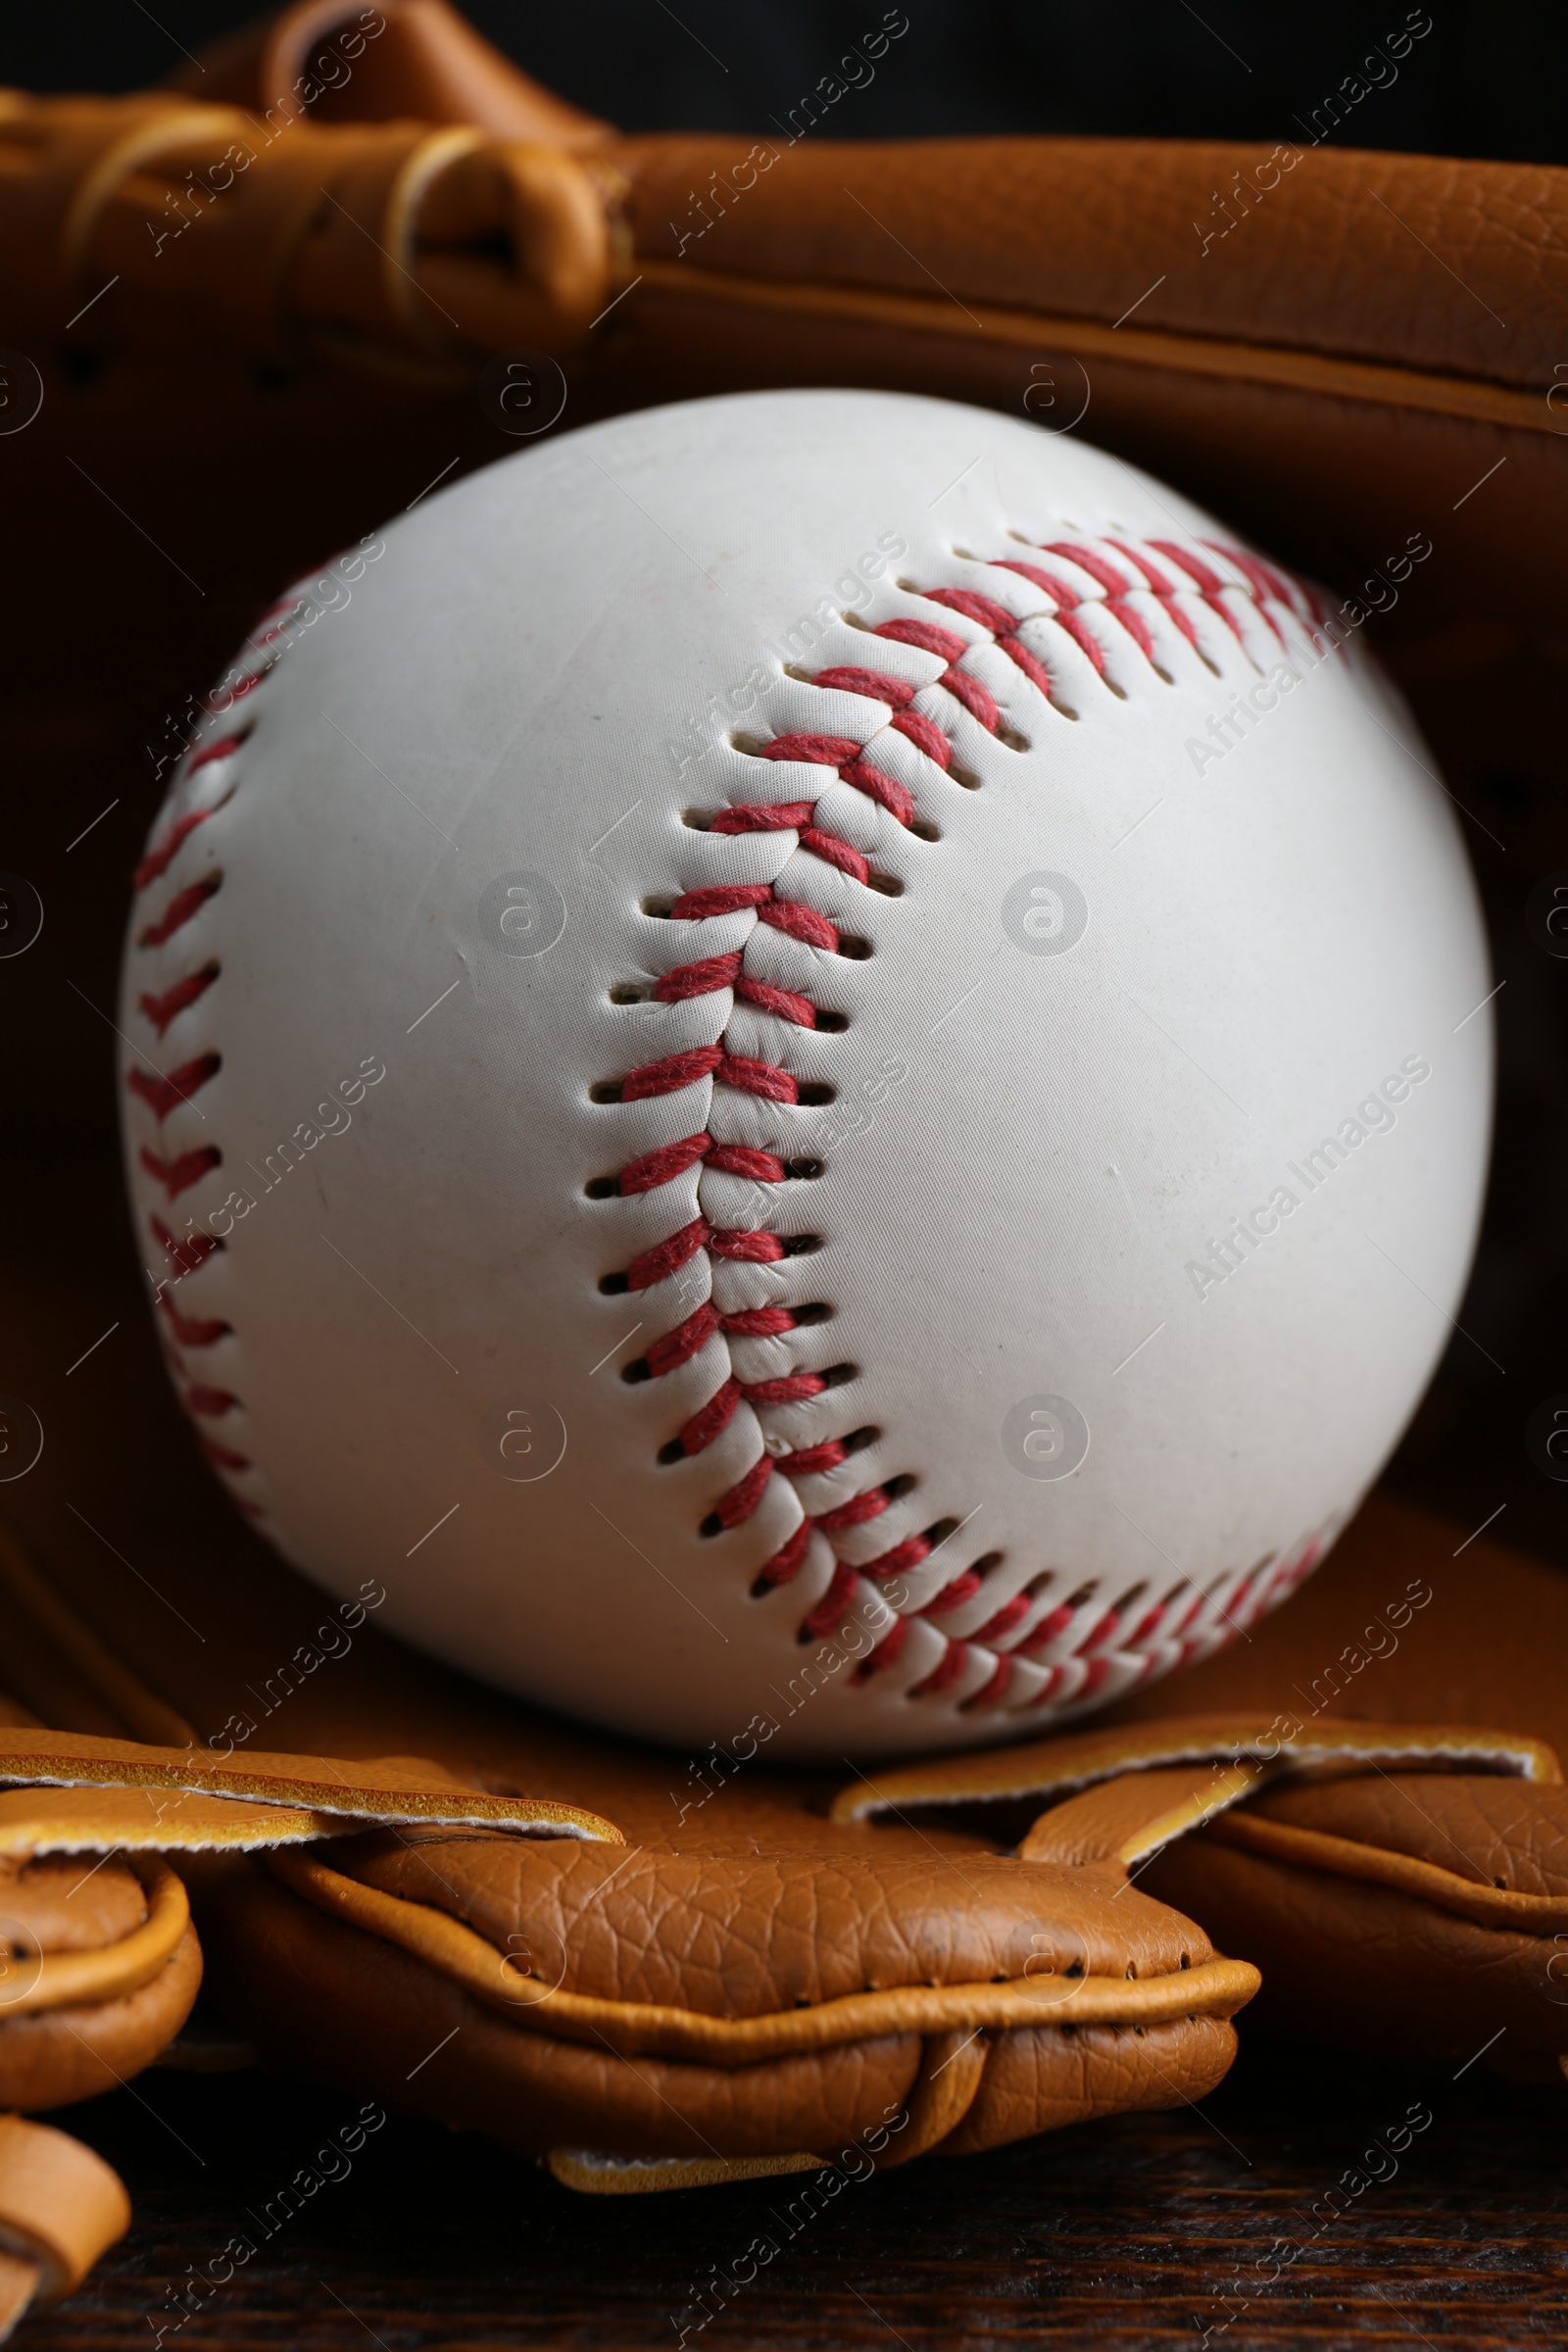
pixel 630 992
pixel 888 884
pixel 964 776
pixel 614 1286
pixel 699 820
pixel 896 1487
pixel 816 1312
pixel 602 1188
pixel 801 1245
pixel 812 1096
pixel 858 950
pixel 743 740
pixel 605 1089
pixel 806 1171
pixel 831 1023
pixel 711 1526
pixel 938 1530
pixel 1120 692
pixel 674 1452
pixel 639 1370
pixel 658 907
pixel 860 1439
pixel 837 1376
pixel 985 1563
pixel 1012 738
pixel 924 829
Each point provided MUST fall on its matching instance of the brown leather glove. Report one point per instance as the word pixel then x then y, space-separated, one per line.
pixel 1400 1880
pixel 1187 312
pixel 1392 399
pixel 728 1976
pixel 1189 321
pixel 300 342
pixel 60 2207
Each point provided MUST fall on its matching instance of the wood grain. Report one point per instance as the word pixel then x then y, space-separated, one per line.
pixel 1128 2235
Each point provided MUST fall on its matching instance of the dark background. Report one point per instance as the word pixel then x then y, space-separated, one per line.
pixel 1487 80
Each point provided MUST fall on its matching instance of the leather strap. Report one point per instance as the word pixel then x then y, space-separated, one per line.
pixel 1124 1820
pixel 387 1790
pixel 1054 1769
pixel 60 2207
pixel 349 62
pixel 393 243
pixel 107 1972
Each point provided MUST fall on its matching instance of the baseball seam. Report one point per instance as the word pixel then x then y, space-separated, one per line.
pixel 848 761
pixel 1095 1652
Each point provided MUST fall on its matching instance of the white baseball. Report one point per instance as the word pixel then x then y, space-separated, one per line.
pixel 808 1068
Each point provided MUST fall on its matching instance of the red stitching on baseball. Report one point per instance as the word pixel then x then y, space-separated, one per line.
pixel 162 1095
pixel 185 1253
pixel 160 1011
pixel 165 1094
pixel 193 1331
pixel 223 1457
pixel 211 1403
pixel 849 760
pixel 159 860
pixel 177 1175
pixel 182 908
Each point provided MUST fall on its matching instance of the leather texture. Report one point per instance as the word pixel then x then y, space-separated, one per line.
pixel 781 1986
pixel 1391 320
pixel 339 1955
pixel 524 1205
pixel 1427 434
pixel 769 1985
pixel 419 60
pixel 60 2207
pixel 181 225
pixel 1414 1912
pixel 1312 324
pixel 95 1987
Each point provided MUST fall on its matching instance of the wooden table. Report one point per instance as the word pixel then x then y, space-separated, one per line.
pixel 1123 2235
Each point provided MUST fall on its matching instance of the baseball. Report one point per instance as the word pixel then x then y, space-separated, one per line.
pixel 815 1068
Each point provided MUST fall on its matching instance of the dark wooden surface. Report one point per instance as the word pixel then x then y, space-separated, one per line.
pixel 1123 2235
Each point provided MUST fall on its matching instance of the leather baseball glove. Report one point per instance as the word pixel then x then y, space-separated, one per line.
pixel 654 1971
